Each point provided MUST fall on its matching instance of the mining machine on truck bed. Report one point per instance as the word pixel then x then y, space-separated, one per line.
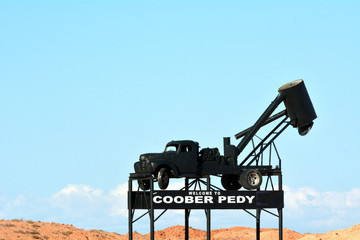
pixel 185 158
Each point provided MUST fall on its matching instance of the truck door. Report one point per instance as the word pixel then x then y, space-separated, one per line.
pixel 187 160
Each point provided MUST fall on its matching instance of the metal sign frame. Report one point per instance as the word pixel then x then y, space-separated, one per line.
pixel 263 200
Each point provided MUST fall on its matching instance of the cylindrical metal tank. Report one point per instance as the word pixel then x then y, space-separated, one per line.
pixel 298 105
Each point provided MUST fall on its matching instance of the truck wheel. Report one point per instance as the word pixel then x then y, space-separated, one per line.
pixel 163 178
pixel 230 181
pixel 144 184
pixel 251 179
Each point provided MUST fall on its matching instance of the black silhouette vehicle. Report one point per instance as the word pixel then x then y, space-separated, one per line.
pixel 185 158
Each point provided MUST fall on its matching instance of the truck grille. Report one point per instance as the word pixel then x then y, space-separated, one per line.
pixel 143 165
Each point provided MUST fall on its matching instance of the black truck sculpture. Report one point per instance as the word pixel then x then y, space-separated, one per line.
pixel 186 159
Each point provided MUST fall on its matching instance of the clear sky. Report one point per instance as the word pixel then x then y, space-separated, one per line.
pixel 88 86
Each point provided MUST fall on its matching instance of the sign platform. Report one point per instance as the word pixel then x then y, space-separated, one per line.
pixel 195 196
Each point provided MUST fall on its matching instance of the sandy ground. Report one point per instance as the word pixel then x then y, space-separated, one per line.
pixel 30 230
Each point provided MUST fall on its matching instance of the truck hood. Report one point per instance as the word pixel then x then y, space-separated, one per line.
pixel 156 156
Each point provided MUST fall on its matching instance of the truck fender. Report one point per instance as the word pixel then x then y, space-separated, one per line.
pixel 168 165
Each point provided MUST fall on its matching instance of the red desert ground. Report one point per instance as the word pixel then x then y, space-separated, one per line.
pixel 22 229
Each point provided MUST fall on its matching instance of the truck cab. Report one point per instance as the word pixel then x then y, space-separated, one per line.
pixel 179 159
pixel 184 155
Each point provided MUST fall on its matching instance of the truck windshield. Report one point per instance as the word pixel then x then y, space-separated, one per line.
pixel 171 148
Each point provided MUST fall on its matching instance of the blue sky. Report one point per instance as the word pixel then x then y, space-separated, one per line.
pixel 88 86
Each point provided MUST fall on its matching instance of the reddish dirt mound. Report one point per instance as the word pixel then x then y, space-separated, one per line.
pixel 19 229
pixel 30 230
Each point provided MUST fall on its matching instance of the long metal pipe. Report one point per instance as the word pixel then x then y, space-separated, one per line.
pixel 260 122
pixel 269 120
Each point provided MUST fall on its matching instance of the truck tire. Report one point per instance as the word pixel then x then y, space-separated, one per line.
pixel 230 181
pixel 163 178
pixel 251 179
pixel 144 184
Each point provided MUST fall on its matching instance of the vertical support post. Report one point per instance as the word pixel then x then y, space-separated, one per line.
pixel 208 213
pixel 152 232
pixel 130 208
pixel 187 213
pixel 258 212
pixel 280 223
pixel 280 210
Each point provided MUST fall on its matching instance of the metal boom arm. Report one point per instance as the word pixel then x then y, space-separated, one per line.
pixel 269 120
pixel 260 122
